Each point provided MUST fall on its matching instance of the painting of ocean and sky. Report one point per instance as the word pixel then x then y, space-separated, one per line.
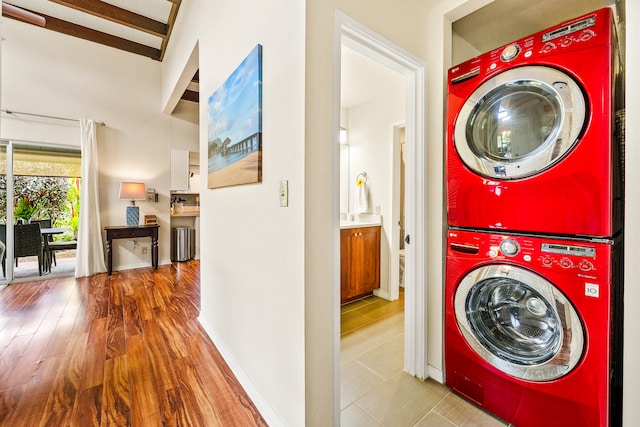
pixel 235 126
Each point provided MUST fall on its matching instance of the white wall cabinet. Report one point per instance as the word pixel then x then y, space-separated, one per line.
pixel 179 170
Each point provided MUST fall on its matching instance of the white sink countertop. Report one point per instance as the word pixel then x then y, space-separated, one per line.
pixel 360 220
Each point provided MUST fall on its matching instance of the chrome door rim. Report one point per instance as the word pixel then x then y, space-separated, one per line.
pixel 565 355
pixel 560 141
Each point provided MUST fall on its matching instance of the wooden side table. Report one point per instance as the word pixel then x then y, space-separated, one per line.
pixel 129 232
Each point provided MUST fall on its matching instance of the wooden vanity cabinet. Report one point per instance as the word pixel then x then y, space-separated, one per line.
pixel 359 262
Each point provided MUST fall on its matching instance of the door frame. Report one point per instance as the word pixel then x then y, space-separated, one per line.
pixel 9 196
pixel 354 35
pixel 396 231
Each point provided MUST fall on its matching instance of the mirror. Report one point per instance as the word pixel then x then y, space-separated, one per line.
pixel 344 178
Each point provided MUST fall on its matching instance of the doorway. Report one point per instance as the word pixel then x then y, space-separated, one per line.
pixel 362 40
pixel 400 238
pixel 39 210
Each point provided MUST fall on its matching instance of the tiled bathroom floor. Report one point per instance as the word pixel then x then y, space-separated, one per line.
pixel 374 390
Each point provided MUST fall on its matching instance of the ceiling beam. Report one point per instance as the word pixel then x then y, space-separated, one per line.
pixel 191 95
pixel 116 14
pixel 175 6
pixel 71 29
pixel 20 14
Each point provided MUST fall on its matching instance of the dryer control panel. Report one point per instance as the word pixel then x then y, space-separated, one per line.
pixel 594 29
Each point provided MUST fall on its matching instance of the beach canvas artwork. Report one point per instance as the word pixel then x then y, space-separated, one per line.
pixel 235 126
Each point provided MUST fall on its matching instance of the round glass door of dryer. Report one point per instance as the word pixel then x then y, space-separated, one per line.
pixel 520 122
pixel 519 322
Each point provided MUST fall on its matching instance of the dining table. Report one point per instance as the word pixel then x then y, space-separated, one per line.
pixel 47 233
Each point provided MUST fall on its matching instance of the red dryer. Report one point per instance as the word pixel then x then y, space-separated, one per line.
pixel 528 327
pixel 530 134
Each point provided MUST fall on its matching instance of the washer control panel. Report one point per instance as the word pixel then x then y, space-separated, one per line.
pixel 585 258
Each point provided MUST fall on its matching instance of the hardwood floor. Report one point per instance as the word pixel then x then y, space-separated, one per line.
pixel 124 350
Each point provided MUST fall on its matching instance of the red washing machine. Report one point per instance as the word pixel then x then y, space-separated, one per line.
pixel 528 331
pixel 530 134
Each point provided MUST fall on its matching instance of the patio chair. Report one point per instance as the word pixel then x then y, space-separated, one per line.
pixel 60 246
pixel 3 238
pixel 46 255
pixel 44 223
pixel 28 242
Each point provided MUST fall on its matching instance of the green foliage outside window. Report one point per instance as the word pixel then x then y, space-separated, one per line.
pixel 25 208
pixel 40 197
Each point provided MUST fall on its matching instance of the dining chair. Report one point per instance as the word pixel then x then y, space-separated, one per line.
pixel 28 242
pixel 46 253
pixel 60 245
pixel 44 223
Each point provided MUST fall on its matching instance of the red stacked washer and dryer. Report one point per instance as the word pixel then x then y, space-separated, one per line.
pixel 533 292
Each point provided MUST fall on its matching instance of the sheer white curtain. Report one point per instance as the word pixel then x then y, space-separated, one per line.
pixel 90 253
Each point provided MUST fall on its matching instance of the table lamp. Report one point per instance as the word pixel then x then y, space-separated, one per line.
pixel 133 191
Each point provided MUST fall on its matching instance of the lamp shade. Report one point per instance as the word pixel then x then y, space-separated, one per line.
pixel 133 191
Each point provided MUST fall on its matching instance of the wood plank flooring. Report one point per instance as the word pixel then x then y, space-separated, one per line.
pixel 121 350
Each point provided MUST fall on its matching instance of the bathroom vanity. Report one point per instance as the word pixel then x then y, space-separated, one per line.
pixel 359 259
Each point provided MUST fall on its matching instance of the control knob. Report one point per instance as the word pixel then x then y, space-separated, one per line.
pixel 510 52
pixel 509 247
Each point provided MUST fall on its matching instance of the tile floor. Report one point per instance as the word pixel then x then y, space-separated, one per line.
pixel 28 267
pixel 374 390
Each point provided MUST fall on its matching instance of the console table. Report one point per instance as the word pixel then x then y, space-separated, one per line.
pixel 129 232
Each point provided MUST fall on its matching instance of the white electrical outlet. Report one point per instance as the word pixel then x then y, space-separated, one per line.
pixel 284 193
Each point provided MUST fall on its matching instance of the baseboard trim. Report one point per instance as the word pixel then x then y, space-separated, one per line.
pixel 382 294
pixel 435 374
pixel 245 380
pixel 141 264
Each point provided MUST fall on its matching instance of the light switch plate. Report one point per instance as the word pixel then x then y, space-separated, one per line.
pixel 284 193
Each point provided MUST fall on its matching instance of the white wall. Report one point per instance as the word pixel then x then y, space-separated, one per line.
pixel 49 73
pixel 371 150
pixel 462 50
pixel 403 23
pixel 438 59
pixel 269 274
pixel 252 254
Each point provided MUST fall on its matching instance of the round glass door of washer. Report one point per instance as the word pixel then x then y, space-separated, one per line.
pixel 519 322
